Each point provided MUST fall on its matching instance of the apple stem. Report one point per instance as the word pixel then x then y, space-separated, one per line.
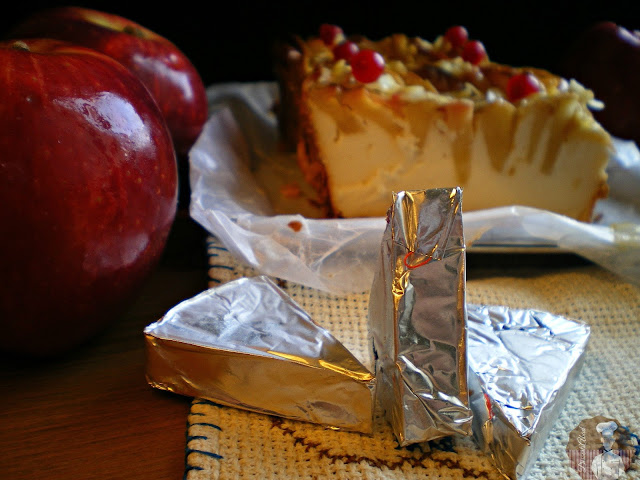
pixel 131 30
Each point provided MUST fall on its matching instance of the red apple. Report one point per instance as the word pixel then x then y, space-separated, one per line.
pixel 88 192
pixel 606 59
pixel 162 67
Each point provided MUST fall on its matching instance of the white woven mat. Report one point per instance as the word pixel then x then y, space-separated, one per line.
pixel 227 443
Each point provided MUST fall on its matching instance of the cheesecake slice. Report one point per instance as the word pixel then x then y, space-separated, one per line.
pixel 368 118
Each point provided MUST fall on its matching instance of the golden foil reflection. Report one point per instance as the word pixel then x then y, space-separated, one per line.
pixel 227 346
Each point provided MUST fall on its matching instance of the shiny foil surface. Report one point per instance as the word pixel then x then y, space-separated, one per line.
pixel 247 344
pixel 417 317
pixel 522 365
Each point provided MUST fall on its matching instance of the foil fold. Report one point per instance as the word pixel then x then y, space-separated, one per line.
pixel 247 344
pixel 523 364
pixel 417 317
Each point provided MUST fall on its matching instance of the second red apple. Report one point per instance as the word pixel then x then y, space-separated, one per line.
pixel 164 69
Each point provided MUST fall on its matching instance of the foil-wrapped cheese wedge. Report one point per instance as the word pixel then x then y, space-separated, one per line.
pixel 417 317
pixel 523 364
pixel 247 344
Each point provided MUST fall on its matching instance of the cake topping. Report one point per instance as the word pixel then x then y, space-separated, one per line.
pixel 331 34
pixel 457 36
pixel 474 52
pixel 415 68
pixel 522 85
pixel 345 51
pixel 367 65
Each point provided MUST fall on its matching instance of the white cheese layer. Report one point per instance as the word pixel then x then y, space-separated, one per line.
pixel 547 153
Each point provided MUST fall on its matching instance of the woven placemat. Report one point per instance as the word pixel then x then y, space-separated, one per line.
pixel 228 443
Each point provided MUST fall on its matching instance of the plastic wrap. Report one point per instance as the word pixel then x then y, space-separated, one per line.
pixel 236 174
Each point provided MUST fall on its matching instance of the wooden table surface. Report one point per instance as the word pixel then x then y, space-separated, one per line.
pixel 91 414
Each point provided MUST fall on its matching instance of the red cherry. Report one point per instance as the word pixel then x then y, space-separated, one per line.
pixel 367 65
pixel 522 85
pixel 457 36
pixel 474 52
pixel 329 33
pixel 345 51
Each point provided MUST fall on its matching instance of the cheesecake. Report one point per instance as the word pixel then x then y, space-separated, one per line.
pixel 367 118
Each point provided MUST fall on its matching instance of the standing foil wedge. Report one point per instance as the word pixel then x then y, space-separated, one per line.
pixel 417 316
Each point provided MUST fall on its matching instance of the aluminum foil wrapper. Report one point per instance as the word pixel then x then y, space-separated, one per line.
pixel 522 365
pixel 247 344
pixel 417 317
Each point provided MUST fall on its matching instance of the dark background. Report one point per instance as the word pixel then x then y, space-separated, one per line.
pixel 231 40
